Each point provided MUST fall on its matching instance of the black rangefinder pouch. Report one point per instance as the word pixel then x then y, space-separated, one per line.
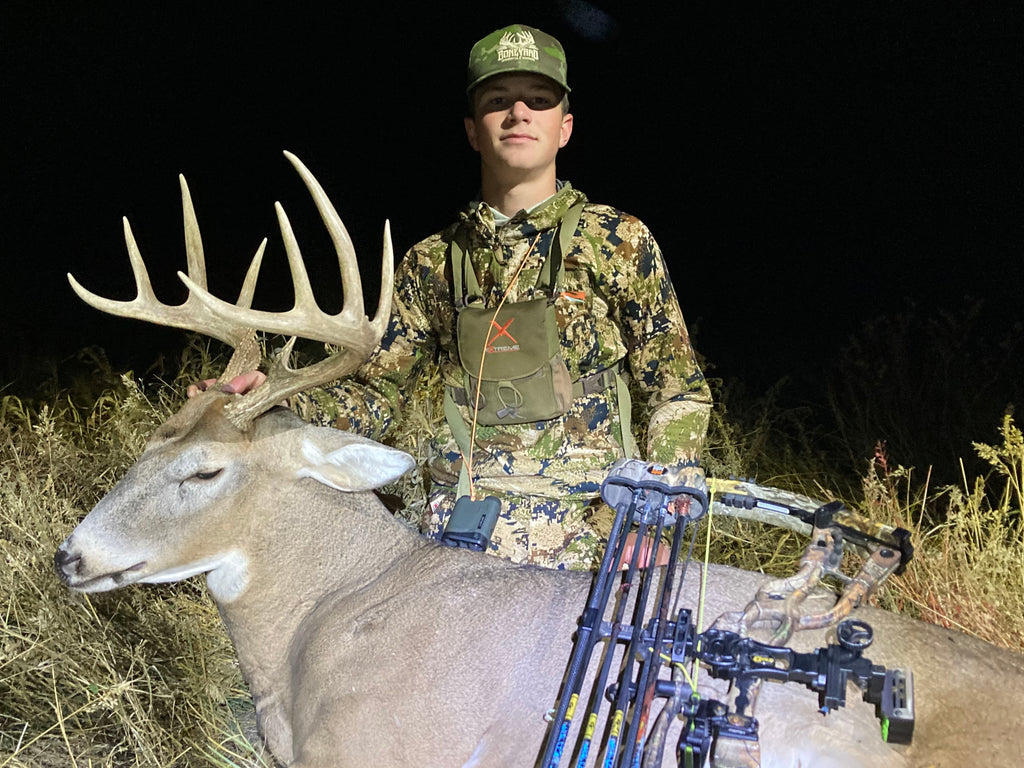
pixel 471 523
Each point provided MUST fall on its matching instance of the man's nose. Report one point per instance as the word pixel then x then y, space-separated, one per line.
pixel 520 111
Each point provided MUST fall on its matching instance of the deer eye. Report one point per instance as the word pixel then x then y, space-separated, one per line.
pixel 207 475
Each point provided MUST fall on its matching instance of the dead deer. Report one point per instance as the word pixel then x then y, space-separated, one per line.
pixel 365 644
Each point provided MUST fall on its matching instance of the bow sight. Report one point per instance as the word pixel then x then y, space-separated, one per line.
pixel 653 649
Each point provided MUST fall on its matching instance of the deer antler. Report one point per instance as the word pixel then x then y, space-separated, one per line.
pixel 233 323
pixel 192 315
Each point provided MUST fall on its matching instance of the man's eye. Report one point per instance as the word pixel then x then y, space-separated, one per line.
pixel 541 102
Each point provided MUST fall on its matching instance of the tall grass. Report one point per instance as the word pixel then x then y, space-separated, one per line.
pixel 138 677
pixel 968 571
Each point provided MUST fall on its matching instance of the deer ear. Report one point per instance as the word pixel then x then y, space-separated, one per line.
pixel 349 462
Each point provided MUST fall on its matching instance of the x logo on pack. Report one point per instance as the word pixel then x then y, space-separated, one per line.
pixel 502 331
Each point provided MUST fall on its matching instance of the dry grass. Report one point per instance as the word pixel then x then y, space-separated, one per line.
pixel 138 677
pixel 968 571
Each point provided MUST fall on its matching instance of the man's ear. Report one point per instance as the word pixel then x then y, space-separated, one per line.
pixel 471 133
pixel 566 130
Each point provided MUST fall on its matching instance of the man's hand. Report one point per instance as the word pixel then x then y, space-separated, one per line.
pixel 242 383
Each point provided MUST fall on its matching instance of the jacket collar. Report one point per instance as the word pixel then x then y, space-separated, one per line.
pixel 480 216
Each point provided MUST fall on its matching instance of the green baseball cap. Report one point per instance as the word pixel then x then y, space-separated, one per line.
pixel 517 48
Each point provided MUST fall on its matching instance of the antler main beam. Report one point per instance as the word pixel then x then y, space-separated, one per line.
pixel 204 313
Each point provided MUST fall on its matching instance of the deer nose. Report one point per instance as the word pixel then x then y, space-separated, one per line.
pixel 66 563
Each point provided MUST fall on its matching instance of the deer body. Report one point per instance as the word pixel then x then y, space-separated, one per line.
pixel 364 644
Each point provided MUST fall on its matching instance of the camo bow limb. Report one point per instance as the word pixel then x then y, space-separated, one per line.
pixel 777 605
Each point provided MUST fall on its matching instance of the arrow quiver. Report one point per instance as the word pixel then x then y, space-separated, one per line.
pixel 627 681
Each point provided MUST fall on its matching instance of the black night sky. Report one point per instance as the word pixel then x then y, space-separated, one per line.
pixel 805 167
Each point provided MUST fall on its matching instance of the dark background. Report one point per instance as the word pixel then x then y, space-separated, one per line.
pixel 806 167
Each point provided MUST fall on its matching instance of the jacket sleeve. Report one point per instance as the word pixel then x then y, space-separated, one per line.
pixel 676 398
pixel 368 401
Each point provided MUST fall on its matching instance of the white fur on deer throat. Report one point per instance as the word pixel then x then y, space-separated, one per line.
pixel 226 574
pixel 230 577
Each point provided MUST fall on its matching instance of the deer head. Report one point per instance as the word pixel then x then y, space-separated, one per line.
pixel 215 459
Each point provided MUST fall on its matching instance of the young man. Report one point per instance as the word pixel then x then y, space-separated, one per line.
pixel 615 315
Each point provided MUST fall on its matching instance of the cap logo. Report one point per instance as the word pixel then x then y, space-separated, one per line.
pixel 514 46
pixel 516 49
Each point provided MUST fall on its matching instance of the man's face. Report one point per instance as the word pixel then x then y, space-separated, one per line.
pixel 517 123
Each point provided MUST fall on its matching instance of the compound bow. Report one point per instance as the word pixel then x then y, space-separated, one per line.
pixel 652 498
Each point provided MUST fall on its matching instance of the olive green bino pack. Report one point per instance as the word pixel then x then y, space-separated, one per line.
pixel 511 363
pixel 513 371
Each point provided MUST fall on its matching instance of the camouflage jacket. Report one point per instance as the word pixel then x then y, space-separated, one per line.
pixel 616 304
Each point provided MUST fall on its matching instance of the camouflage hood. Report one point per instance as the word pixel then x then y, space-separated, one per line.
pixel 523 225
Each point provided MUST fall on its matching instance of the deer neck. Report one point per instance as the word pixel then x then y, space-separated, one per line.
pixel 291 564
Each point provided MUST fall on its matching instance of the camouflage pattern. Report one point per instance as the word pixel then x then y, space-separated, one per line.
pixel 616 304
pixel 517 48
pixel 538 530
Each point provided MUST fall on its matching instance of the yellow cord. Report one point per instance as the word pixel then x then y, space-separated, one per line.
pixel 704 575
pixel 682 668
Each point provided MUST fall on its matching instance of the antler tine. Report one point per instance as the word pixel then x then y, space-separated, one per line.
pixel 387 283
pixel 192 315
pixel 283 381
pixel 304 298
pixel 249 286
pixel 193 240
pixel 143 287
pixel 350 282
